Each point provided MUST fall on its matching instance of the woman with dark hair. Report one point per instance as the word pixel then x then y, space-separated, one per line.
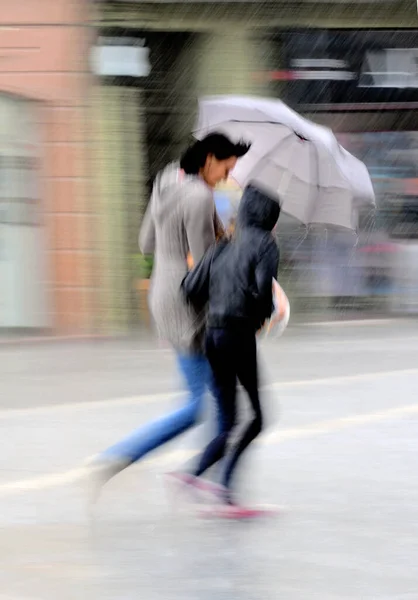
pixel 181 220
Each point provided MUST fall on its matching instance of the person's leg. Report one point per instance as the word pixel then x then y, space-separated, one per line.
pixel 221 357
pixel 248 376
pixel 195 370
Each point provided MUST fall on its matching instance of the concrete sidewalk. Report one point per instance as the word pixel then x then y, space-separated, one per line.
pixel 338 458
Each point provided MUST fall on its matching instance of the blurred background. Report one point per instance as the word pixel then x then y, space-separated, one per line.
pixel 96 97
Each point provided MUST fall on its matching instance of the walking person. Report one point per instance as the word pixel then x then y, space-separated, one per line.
pixel 239 302
pixel 180 221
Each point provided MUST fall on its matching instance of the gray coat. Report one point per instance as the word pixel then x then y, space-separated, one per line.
pixel 181 218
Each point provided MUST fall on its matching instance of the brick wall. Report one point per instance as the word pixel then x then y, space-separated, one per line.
pixel 44 47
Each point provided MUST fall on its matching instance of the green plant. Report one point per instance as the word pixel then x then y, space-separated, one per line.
pixel 142 265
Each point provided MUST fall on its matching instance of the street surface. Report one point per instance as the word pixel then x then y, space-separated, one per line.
pixel 339 456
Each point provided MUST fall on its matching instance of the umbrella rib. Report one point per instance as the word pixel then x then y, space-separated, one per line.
pixel 316 154
pixel 269 154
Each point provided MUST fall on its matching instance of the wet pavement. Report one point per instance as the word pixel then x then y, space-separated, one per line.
pixel 338 457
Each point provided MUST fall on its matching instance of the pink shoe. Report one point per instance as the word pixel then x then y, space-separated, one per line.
pixel 183 482
pixel 187 479
pixel 236 512
pixel 194 485
pixel 215 489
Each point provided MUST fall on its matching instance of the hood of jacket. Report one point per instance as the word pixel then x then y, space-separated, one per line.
pixel 257 209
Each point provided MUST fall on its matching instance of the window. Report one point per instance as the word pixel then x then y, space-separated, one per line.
pixel 19 203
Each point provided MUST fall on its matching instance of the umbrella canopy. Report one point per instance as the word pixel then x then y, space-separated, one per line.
pixel 314 177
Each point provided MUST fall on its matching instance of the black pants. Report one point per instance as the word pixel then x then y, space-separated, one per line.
pixel 232 355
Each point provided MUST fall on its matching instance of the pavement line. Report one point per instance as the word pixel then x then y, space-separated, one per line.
pixel 151 398
pixel 338 379
pixel 53 480
pixel 332 425
pixel 347 322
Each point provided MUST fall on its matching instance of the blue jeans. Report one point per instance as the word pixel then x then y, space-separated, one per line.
pixel 198 377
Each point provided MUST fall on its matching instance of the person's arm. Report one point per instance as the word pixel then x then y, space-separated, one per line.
pixel 146 240
pixel 220 234
pixel 266 270
pixel 199 222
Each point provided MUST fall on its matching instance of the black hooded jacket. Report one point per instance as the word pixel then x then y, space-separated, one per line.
pixel 240 287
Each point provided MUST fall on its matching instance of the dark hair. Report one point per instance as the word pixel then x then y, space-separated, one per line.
pixel 217 144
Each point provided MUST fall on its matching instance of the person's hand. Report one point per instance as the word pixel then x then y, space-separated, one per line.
pixel 190 262
pixel 280 296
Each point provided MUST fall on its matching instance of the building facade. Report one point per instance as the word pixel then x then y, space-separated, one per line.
pixel 46 255
pixel 328 60
pixel 95 97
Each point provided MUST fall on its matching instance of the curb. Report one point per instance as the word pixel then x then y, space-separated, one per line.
pixel 15 341
pixel 50 339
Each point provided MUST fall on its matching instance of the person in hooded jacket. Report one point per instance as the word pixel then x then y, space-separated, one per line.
pixel 240 300
pixel 181 222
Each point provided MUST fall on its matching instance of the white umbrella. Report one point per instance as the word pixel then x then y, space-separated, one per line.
pixel 315 178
